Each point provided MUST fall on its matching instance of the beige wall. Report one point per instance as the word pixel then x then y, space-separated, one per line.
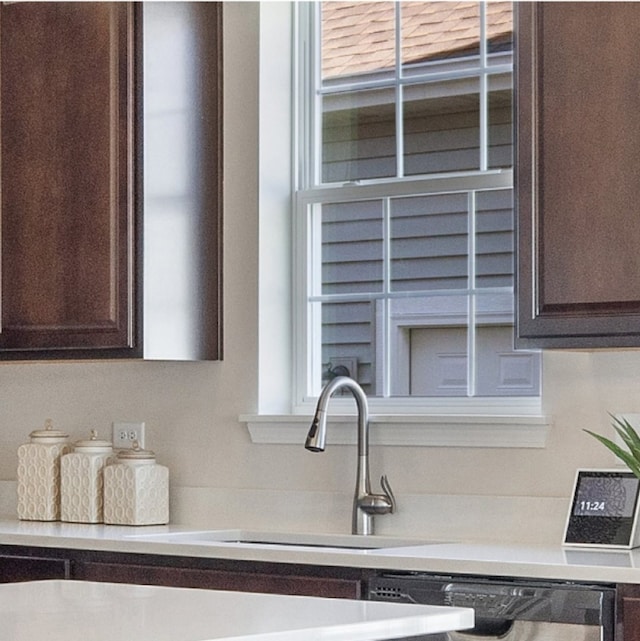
pixel 220 478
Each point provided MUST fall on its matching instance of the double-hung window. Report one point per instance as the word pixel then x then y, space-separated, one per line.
pixel 404 203
pixel 403 223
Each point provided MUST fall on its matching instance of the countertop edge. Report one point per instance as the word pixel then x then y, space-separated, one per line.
pixel 525 561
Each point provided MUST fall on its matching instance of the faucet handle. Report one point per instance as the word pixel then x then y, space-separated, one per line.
pixel 386 488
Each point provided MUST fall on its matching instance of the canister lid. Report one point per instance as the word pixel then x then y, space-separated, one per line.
pixel 93 443
pixel 136 453
pixel 48 434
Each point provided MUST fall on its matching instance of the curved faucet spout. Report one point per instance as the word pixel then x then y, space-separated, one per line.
pixel 365 503
pixel 316 438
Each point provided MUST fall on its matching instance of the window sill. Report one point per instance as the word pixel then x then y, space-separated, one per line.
pixel 410 430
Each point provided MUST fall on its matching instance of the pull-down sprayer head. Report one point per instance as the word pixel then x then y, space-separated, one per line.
pixel 317 435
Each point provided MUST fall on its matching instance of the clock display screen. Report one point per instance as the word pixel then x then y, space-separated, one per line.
pixel 606 496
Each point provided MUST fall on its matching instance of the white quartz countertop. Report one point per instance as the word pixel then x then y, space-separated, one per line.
pixel 84 611
pixel 528 561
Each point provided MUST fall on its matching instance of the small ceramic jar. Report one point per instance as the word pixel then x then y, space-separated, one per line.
pixel 39 474
pixel 136 489
pixel 81 480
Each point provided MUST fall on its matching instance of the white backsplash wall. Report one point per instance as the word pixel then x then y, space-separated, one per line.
pixel 220 479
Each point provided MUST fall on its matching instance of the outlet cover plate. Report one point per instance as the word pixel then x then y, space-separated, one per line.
pixel 125 433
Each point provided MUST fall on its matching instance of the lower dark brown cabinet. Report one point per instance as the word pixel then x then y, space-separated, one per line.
pixel 22 563
pixel 14 569
pixel 246 578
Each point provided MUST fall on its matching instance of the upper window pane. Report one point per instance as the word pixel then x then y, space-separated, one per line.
pixel 359 136
pixel 500 130
pixel 357 38
pixel 434 31
pixel 499 26
pixel 442 127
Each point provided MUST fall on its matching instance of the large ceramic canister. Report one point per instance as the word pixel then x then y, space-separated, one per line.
pixel 136 489
pixel 39 474
pixel 81 480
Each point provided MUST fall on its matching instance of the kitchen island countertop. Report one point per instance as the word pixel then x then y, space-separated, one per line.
pixel 83 611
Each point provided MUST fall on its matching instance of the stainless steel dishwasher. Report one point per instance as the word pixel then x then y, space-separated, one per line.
pixel 509 610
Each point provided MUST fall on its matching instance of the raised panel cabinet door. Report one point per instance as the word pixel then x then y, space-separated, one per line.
pixel 68 193
pixel 577 167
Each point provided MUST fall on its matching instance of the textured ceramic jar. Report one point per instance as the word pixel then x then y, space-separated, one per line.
pixel 39 474
pixel 81 480
pixel 136 489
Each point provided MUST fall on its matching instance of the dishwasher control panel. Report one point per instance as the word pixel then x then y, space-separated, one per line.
pixel 503 600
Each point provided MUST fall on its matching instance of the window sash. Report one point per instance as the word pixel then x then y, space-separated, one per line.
pixel 311 90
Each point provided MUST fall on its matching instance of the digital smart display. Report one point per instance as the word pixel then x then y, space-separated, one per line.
pixel 604 508
pixel 606 496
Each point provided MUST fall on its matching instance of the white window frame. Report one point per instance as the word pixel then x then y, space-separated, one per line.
pixel 282 407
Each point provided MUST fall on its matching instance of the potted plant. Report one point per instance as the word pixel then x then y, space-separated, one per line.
pixel 630 456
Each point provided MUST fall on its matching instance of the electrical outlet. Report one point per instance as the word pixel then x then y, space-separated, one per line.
pixel 124 435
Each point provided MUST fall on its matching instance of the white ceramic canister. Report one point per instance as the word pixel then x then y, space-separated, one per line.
pixel 81 480
pixel 39 474
pixel 136 489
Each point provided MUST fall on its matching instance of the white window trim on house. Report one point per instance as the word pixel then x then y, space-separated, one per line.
pixel 474 422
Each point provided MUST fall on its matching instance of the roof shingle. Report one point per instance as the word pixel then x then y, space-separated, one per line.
pixel 352 31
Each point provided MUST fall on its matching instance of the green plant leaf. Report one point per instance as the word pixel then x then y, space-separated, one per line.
pixel 628 435
pixel 622 454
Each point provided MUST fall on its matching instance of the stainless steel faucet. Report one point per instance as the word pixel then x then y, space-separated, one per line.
pixel 365 503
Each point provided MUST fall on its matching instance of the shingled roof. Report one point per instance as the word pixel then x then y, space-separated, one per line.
pixel 359 36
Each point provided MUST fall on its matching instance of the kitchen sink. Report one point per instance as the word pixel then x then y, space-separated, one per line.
pixel 254 538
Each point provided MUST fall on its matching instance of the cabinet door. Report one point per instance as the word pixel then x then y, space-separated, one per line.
pixel 30 568
pixel 68 177
pixel 628 613
pixel 577 167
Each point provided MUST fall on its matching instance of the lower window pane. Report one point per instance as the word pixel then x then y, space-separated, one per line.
pixel 438 361
pixel 348 342
pixel 501 371
pixel 428 346
pixel 429 242
pixel 352 247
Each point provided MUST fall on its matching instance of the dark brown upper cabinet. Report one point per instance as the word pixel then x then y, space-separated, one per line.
pixel 111 180
pixel 577 174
